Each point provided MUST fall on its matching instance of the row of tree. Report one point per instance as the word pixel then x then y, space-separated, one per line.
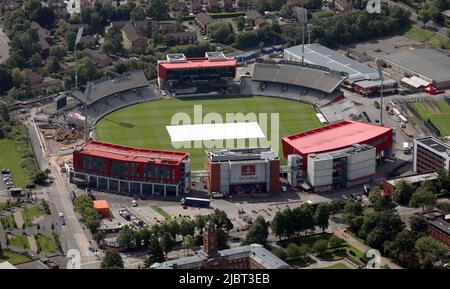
pixel 162 238
pixel 84 206
pixel 382 228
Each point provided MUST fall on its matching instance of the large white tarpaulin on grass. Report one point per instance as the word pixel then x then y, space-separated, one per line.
pixel 215 131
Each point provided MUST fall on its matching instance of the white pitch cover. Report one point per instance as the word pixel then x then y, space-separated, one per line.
pixel 215 131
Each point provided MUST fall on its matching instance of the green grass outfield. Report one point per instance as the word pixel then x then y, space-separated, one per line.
pixel 13 258
pixel 440 119
pixel 143 125
pixel 10 158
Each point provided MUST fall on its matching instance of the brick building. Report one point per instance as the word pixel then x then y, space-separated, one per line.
pixel 430 155
pixel 439 226
pixel 253 256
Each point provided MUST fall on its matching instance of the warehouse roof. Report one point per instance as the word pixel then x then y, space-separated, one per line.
pixel 375 83
pixel 321 55
pixel 424 61
pixel 124 153
pixel 413 179
pixel 107 87
pixel 295 74
pixel 334 136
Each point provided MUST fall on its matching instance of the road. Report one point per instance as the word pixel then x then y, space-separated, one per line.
pixel 4 45
pixel 72 235
pixel 433 27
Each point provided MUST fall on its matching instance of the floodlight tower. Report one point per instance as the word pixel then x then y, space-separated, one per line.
pixel 309 29
pixel 302 15
pixel 380 72
pixel 88 95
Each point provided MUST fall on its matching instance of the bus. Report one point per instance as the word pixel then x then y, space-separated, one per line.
pixel 195 202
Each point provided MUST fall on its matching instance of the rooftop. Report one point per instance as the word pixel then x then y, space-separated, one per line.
pixel 321 55
pixel 124 153
pixel 356 148
pixel 107 87
pixel 204 19
pixel 241 154
pixel 375 83
pixel 295 74
pixel 424 61
pixel 132 33
pixel 100 204
pixel 198 62
pixel 334 136
pixel 413 179
pixel 434 143
pixel 441 224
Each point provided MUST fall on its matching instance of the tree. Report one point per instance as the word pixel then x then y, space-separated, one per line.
pixel 258 233
pixel 99 236
pixel 222 239
pixel 69 40
pixel 18 78
pixel 63 27
pixel 240 23
pixel 380 202
pixel 334 242
pixel 86 70
pixel 418 224
pixel 155 252
pixel 112 260
pixel 35 60
pixel 335 207
pixel 430 251
pixel 402 249
pixel 167 242
pixel 138 13
pixel 322 215
pixel 403 192
pixel 52 65
pixel 423 197
pixel 279 225
pixel 186 228
pixel 17 93
pixel 320 246
pixel 40 177
pixel 44 16
pixel 125 238
pixel 352 209
pixel 221 31
pixel 188 243
pixel 262 5
pixel 443 182
pixel 6 81
pixel 158 9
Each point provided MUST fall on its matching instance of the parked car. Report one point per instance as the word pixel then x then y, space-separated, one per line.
pixel 344 198
pixel 6 171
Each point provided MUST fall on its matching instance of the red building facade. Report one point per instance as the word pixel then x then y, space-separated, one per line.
pixel 123 169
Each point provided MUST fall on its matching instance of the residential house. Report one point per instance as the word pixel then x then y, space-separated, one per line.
pixel 203 20
pixel 195 6
pixel 142 24
pixel 142 2
pixel 116 24
pixel 244 5
pixel 100 59
pixel 133 38
pixel 260 22
pixel 165 28
pixel 227 5
pixel 446 14
pixel 213 6
pixel 44 39
pixel 252 16
pixel 75 27
pixel 178 6
pixel 88 41
pixel 181 38
pixel 38 85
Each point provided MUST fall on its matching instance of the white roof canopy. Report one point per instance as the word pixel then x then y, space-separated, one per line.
pixel 216 131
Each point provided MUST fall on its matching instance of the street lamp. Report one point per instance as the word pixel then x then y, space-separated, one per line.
pixel 77 40
pixel 380 72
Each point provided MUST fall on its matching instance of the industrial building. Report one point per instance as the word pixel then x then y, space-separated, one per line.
pixel 439 226
pixel 341 168
pixel 121 169
pixel 252 256
pixel 430 155
pixel 244 170
pixel 338 136
pixel 180 75
pixel 428 64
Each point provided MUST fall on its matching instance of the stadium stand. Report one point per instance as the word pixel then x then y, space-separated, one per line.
pixel 297 75
pixel 339 110
pixel 106 87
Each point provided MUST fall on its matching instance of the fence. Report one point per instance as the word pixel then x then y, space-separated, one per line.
pixel 428 124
